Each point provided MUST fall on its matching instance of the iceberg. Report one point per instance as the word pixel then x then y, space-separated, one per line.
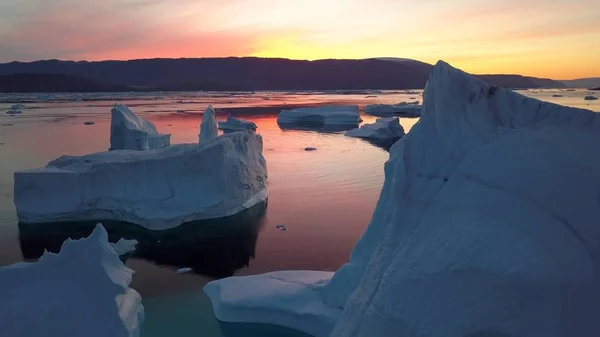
pixel 590 98
pixel 81 291
pixel 321 116
pixel 18 107
pixel 157 189
pixel 388 110
pixel 382 129
pixel 236 124
pixel 129 131
pixel 208 126
pixel 14 112
pixel 481 229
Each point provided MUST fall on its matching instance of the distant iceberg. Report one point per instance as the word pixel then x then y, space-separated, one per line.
pixel 129 131
pixel 208 126
pixel 481 229
pixel 321 116
pixel 18 107
pixel 158 189
pixel 382 129
pixel 590 98
pixel 236 124
pixel 388 110
pixel 14 112
pixel 81 291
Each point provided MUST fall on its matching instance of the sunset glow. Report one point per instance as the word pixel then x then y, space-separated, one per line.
pixel 551 38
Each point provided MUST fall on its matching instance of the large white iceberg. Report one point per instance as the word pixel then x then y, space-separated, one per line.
pixel 81 291
pixel 157 189
pixel 208 126
pixel 321 116
pixel 129 131
pixel 387 110
pixel 382 129
pixel 487 225
pixel 236 124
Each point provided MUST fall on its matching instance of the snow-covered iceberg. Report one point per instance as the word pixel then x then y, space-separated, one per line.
pixel 382 129
pixel 387 110
pixel 129 131
pixel 208 126
pixel 321 116
pixel 81 291
pixel 157 189
pixel 236 124
pixel 487 225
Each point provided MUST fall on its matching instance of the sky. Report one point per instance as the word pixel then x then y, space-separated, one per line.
pixel 559 39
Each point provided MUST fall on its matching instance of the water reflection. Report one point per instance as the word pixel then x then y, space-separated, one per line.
pixel 257 330
pixel 215 248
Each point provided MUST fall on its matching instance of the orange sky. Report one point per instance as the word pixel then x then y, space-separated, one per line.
pixel 550 38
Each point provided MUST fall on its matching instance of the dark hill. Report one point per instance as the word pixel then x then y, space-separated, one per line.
pixel 24 83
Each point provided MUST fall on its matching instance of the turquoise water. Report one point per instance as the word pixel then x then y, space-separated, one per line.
pixel 325 197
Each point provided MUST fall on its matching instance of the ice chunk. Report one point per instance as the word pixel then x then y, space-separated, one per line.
pixel 129 131
pixel 296 304
pixel 310 148
pixel 382 129
pixel 208 126
pixel 235 124
pixel 557 95
pixel 401 109
pixel 89 123
pixel 18 107
pixel 486 226
pixel 590 98
pixel 81 291
pixel 326 115
pixel 14 112
pixel 158 189
pixel 124 246
pixel 184 270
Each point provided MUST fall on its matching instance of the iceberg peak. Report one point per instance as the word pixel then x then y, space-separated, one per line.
pixel 129 131
pixel 208 126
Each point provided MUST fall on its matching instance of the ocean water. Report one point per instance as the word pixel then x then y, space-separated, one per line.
pixel 325 197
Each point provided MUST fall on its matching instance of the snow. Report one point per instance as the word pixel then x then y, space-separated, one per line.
pixel 129 131
pixel 326 115
pixel 481 228
pixel 401 109
pixel 81 291
pixel 286 298
pixel 235 124
pixel 208 126
pixel 157 189
pixel 590 98
pixel 382 129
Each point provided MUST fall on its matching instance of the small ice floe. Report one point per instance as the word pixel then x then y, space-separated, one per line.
pixel 14 112
pixel 184 270
pixel 371 96
pixel 556 95
pixel 590 98
pixel 409 92
pixel 310 148
pixel 17 107
pixel 266 98
pixel 282 227
pixel 89 123
pixel 180 111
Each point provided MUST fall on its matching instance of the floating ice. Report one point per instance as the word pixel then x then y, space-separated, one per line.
pixel 184 270
pixel 89 123
pixel 157 189
pixel 320 116
pixel 401 109
pixel 124 246
pixel 18 107
pixel 590 98
pixel 129 131
pixel 556 95
pixel 14 112
pixel 81 291
pixel 382 129
pixel 310 148
pixel 235 124
pixel 282 227
pixel 208 126
pixel 481 229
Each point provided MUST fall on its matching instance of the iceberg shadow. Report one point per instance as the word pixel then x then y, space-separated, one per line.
pixel 214 247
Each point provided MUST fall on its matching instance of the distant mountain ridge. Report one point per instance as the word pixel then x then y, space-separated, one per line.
pixel 52 83
pixel 589 82
pixel 252 73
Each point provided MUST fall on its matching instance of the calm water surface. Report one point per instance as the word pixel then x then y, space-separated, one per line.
pixel 325 197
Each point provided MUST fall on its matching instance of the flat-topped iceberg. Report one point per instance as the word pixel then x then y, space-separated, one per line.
pixel 236 124
pixel 208 126
pixel 81 291
pixel 487 225
pixel 129 131
pixel 382 129
pixel 387 110
pixel 157 189
pixel 321 116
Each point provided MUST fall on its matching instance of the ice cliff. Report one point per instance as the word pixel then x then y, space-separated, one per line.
pixel 487 225
pixel 208 126
pixel 81 291
pixel 129 131
pixel 236 124
pixel 158 189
